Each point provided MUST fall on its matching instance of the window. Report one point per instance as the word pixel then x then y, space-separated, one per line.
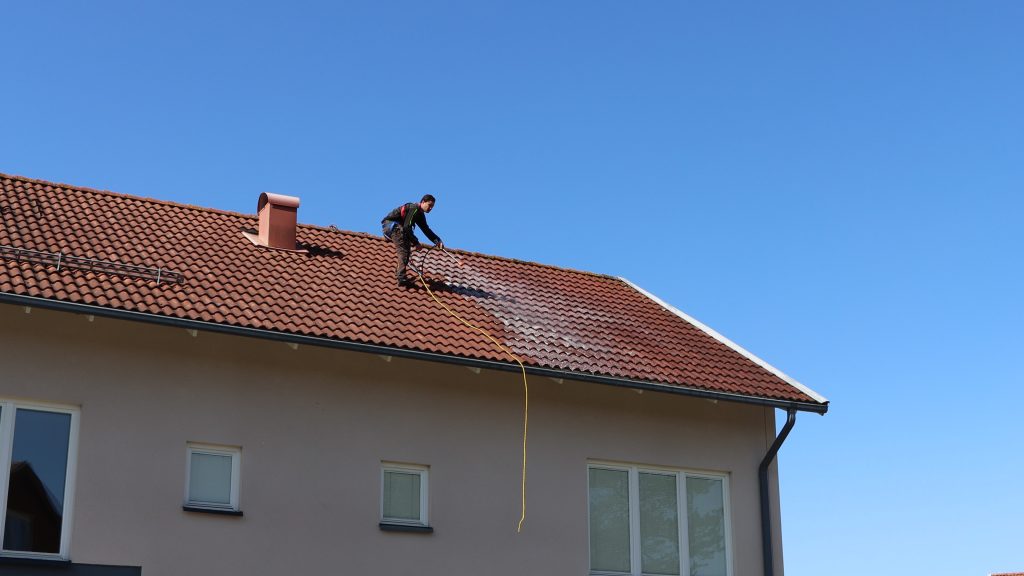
pixel 635 525
pixel 403 495
pixel 212 478
pixel 38 450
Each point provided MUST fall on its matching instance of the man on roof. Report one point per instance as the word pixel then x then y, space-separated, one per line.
pixel 397 227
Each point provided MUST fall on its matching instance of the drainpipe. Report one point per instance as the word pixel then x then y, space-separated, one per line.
pixel 766 513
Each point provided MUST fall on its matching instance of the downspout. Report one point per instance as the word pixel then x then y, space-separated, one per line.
pixel 766 513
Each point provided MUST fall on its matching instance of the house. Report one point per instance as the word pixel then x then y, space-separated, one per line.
pixel 192 391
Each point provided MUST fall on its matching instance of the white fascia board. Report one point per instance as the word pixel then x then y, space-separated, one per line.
pixel 745 353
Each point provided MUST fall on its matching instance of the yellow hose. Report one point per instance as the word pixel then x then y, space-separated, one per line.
pixel 526 386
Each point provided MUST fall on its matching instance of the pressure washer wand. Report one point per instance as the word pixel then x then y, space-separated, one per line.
pixel 453 258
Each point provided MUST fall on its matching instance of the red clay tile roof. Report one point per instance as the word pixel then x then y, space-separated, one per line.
pixel 343 290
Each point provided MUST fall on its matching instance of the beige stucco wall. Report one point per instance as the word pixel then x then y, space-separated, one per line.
pixel 314 425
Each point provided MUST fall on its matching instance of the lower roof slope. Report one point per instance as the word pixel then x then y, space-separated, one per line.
pixel 558 321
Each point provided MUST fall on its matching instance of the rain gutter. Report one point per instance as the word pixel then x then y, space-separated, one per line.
pixel 78 308
pixel 766 512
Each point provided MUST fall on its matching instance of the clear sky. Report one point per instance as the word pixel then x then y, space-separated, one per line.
pixel 835 186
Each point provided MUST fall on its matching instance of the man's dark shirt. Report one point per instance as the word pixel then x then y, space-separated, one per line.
pixel 419 219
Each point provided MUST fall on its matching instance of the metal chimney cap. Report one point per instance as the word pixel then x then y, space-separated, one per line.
pixel 277 200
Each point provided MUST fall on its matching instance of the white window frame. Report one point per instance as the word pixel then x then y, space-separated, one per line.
pixel 235 452
pixel 424 473
pixel 635 551
pixel 8 410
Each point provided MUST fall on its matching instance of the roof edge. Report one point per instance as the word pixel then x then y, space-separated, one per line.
pixel 146 317
pixel 742 351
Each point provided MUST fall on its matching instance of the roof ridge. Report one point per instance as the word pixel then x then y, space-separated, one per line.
pixel 333 228
pixel 540 264
pixel 87 189
pixel 299 224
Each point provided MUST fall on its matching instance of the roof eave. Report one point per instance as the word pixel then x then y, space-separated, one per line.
pixel 80 308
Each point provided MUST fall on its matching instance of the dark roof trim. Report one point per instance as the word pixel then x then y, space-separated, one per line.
pixel 45 303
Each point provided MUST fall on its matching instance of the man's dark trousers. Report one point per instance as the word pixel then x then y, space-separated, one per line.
pixel 403 246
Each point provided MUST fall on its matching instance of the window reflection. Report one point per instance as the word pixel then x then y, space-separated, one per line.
pixel 707 526
pixel 35 498
pixel 609 520
pixel 659 524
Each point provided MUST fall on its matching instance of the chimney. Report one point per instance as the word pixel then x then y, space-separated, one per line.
pixel 278 216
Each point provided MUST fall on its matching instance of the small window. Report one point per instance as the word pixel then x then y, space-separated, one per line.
pixel 212 480
pixel 403 495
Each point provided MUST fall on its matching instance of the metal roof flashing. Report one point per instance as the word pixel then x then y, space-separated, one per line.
pixel 736 347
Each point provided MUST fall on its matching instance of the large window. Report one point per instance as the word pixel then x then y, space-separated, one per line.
pixel 37 463
pixel 658 522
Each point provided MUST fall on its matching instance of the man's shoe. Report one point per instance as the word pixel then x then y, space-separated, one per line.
pixel 406 283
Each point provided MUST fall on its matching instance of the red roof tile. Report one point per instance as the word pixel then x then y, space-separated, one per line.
pixel 343 290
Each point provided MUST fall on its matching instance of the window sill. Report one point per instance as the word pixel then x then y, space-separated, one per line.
pixel 414 528
pixel 29 561
pixel 218 511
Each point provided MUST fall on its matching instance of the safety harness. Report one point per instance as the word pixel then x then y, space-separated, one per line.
pixel 410 216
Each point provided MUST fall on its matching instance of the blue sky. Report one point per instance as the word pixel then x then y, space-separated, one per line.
pixel 836 186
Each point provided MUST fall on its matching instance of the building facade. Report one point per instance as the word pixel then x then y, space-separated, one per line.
pixel 140 442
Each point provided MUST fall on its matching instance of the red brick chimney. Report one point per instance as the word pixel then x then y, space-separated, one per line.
pixel 278 216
